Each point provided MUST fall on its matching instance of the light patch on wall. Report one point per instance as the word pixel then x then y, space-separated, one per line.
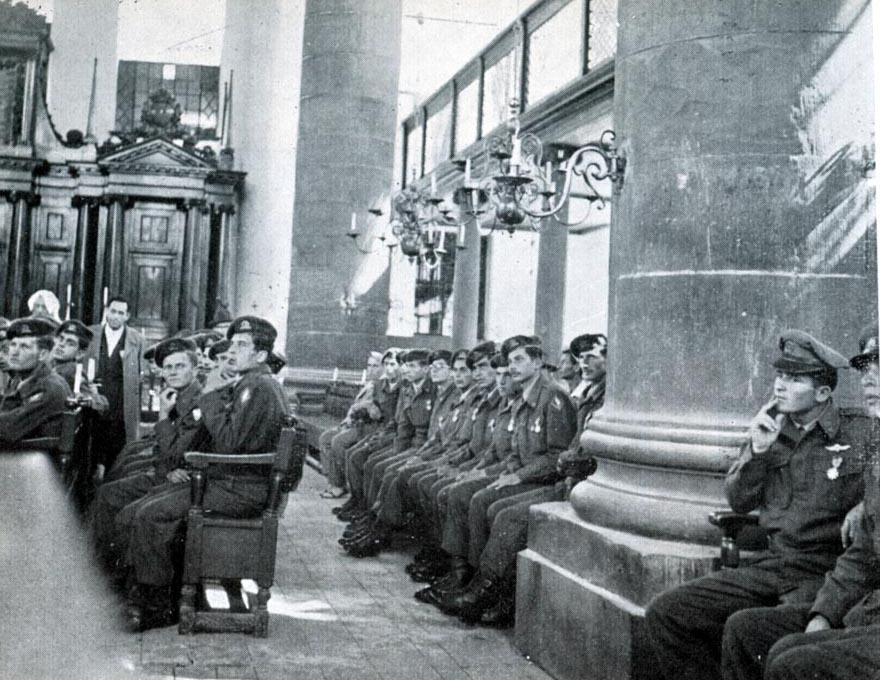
pixel 511 288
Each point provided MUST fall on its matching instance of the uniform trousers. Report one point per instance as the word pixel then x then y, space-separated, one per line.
pixel 509 519
pixel 335 444
pixel 685 625
pixel 749 634
pixel 111 538
pixel 455 522
pixel 158 520
pixel 133 457
pixel 478 514
pixel 377 472
pixel 828 654
pixel 354 466
pixel 433 505
pixel 369 486
pixel 390 506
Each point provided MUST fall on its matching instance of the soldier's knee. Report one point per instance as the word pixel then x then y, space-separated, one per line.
pixel 791 662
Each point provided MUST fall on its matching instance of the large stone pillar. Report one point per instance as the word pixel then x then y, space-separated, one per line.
pixel 345 154
pixel 745 209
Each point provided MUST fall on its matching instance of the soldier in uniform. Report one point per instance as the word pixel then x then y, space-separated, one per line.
pixel 34 399
pixel 836 635
pixel 71 342
pixel 246 417
pixel 801 470
pixel 492 589
pixel 174 435
pixel 4 355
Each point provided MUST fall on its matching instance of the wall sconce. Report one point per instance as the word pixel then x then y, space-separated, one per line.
pixel 519 186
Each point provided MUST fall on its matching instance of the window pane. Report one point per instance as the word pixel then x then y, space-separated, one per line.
pixel 498 92
pixel 603 31
pixel 555 52
pixel 439 137
pixel 466 115
pixel 12 86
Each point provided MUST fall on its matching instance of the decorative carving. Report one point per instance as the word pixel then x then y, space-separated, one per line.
pixel 54 227
pixel 20 17
pixel 160 116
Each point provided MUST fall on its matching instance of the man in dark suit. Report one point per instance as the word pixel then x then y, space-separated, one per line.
pixel 117 350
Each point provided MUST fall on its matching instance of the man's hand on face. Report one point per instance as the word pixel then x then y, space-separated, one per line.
pixel 507 479
pixel 765 427
pixel 818 623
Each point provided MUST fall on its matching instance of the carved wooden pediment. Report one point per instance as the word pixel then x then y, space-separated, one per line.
pixel 155 155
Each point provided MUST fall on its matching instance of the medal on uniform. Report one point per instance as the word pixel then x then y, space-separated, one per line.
pixel 834 471
pixel 428 406
pixel 245 395
pixel 455 416
pixel 492 425
pixel 510 425
pixel 197 414
pixel 537 426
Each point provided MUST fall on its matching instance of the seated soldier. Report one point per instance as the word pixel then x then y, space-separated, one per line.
pixel 801 470
pixel 4 355
pixel 35 397
pixel 384 411
pixel 246 417
pixel 174 435
pixel 835 635
pixel 492 588
pixel 349 430
pixel 71 342
pixel 223 372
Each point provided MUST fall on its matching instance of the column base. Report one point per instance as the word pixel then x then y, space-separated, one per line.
pixel 582 590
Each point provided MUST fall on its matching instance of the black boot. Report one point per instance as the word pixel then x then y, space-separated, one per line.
pixel 459 576
pixel 350 504
pixel 470 604
pixel 150 607
pixel 372 543
pixel 501 614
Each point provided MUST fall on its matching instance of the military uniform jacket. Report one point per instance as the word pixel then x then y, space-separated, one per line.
pixel 851 593
pixel 414 417
pixel 32 407
pixel 176 434
pixel 544 423
pixel 385 398
pixel 591 401
pixel 246 417
pixel 803 485
pixel 445 396
pixel 483 417
pixel 458 434
pixel 500 429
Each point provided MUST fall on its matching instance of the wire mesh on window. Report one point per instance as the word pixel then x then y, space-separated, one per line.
pixel 603 31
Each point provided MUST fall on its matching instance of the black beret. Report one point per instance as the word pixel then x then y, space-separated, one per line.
pixel 393 352
pixel 168 347
pixel 275 361
pixel 440 355
pixel 867 348
pixel 256 326
pixel 517 341
pixel 30 327
pixel 499 360
pixel 484 350
pixel 77 328
pixel 801 354
pixel 420 355
pixel 218 348
pixel 594 344
pixel 402 355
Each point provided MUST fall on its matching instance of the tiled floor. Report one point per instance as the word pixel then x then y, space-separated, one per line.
pixel 334 618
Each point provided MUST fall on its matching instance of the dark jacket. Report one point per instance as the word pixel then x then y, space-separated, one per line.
pixel 33 407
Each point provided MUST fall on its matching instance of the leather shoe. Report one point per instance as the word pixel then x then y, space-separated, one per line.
pixel 429 573
pixel 369 546
pixel 470 604
pixel 501 614
pixel 350 504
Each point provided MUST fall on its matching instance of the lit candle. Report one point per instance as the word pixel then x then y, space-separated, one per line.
pixel 475 199
pixel 433 185
pixel 516 152
pixel 467 172
pixel 461 235
pixel 364 377
pixel 106 294
pixel 69 295
pixel 548 171
pixel 442 241
pixel 335 374
pixel 77 379
pixel 90 369
pixel 354 222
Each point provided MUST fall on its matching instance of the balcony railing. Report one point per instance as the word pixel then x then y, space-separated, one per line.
pixel 551 44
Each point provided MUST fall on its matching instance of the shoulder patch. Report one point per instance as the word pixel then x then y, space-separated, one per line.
pixel 34 398
pixel 557 403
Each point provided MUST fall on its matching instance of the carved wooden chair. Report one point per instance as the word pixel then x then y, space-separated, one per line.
pixel 63 448
pixel 228 550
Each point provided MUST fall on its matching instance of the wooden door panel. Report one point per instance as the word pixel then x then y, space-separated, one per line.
pixel 53 239
pixel 154 286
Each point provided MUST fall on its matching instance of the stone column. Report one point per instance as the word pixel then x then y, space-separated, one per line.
pixel 81 278
pixel 745 210
pixel 114 248
pixel 18 255
pixel 466 289
pixel 194 267
pixel 344 164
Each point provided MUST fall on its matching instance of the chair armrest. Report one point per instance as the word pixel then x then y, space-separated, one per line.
pixel 201 460
pixel 45 443
pixel 731 523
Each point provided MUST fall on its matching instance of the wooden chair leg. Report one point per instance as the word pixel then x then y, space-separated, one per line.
pixel 261 613
pixel 186 626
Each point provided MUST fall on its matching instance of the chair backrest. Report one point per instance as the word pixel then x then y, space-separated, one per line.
pixel 290 457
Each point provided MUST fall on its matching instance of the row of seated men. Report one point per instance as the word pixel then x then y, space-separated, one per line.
pixel 138 515
pixel 457 463
pixel 453 448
